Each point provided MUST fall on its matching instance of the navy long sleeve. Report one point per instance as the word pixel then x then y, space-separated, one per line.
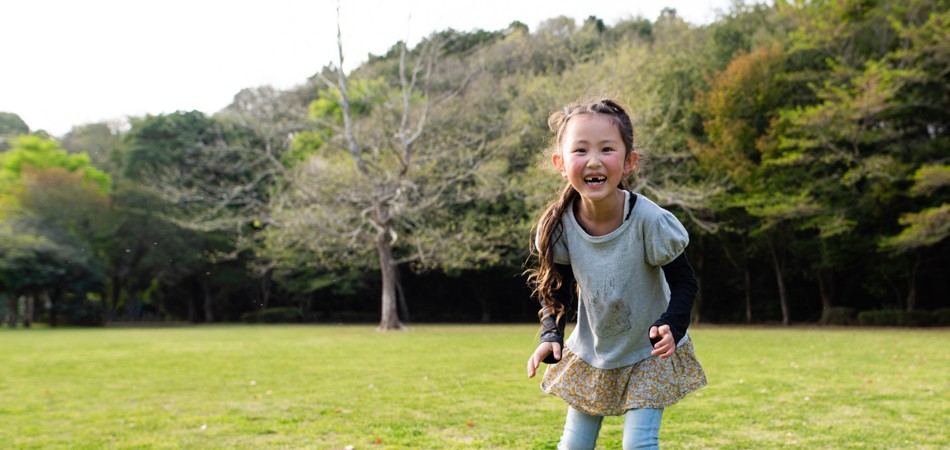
pixel 683 287
pixel 552 330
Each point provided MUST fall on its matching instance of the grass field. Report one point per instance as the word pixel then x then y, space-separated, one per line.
pixel 434 387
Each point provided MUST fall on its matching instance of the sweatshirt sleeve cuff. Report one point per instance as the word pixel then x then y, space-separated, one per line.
pixel 678 332
pixel 552 335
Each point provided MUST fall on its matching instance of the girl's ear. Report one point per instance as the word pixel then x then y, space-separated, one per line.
pixel 630 165
pixel 558 162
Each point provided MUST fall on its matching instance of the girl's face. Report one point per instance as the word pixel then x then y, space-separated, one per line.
pixel 592 156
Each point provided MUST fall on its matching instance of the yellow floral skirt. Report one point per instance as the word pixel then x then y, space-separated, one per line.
pixel 650 383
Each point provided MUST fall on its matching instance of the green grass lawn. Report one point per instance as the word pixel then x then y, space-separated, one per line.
pixel 434 387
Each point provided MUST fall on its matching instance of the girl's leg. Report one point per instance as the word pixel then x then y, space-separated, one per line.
pixel 580 431
pixel 641 428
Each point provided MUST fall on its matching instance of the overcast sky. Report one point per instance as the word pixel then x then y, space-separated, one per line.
pixel 70 62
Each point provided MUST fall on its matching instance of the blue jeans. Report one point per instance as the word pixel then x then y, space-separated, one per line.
pixel 641 429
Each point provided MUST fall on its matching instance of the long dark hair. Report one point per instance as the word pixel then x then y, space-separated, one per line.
pixel 544 279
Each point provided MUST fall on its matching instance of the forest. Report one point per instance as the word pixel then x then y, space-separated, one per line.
pixel 804 144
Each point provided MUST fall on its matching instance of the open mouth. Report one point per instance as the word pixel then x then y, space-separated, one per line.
pixel 595 180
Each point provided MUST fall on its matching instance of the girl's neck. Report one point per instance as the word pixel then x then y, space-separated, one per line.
pixel 602 217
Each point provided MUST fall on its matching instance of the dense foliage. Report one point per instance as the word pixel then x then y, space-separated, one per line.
pixel 806 145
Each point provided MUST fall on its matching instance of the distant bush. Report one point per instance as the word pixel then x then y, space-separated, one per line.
pixel 273 315
pixel 82 312
pixel 350 316
pixel 942 317
pixel 896 318
pixel 837 316
pixel 917 319
pixel 881 318
pixel 315 316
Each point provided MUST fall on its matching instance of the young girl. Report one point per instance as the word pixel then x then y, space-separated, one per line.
pixel 629 353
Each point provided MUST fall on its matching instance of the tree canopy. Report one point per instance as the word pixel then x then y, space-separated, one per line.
pixel 804 144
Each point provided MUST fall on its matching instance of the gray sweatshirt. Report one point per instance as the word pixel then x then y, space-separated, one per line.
pixel 622 288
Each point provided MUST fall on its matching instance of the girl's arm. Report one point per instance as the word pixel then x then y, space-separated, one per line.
pixel 552 330
pixel 679 275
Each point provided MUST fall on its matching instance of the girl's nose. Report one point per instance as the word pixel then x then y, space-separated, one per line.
pixel 593 162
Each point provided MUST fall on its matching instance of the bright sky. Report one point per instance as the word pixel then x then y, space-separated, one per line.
pixel 69 62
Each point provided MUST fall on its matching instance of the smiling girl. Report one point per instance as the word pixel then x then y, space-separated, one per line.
pixel 629 353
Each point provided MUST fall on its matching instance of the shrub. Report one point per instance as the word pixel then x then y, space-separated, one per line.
pixel 350 316
pixel 82 312
pixel 916 319
pixel 941 317
pixel 273 315
pixel 895 318
pixel 887 318
pixel 837 316
pixel 315 316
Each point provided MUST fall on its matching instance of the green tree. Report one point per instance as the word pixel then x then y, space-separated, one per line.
pixel 930 226
pixel 271 121
pixel 184 183
pixel 32 264
pixel 55 201
pixel 739 108
pixel 877 119
pixel 380 188
pixel 143 250
pixel 34 152
pixel 11 125
pixel 100 141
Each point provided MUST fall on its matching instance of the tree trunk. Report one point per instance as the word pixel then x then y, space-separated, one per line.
pixel 746 273
pixel 482 294
pixel 777 265
pixel 208 301
pixel 747 287
pixel 485 305
pixel 12 302
pixel 401 297
pixel 131 305
pixel 826 286
pixel 28 311
pixel 116 293
pixel 912 283
pixel 53 307
pixel 265 290
pixel 192 309
pixel 54 302
pixel 699 261
pixel 478 282
pixel 306 307
pixel 389 319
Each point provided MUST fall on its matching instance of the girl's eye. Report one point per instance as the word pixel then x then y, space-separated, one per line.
pixel 580 150
pixel 608 149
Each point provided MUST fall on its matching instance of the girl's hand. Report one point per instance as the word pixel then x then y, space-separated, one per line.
pixel 544 349
pixel 666 347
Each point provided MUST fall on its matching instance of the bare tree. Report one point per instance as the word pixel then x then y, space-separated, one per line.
pixel 381 191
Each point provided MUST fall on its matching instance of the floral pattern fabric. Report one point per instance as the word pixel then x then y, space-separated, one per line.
pixel 650 383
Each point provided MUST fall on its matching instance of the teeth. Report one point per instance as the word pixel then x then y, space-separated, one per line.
pixel 595 179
